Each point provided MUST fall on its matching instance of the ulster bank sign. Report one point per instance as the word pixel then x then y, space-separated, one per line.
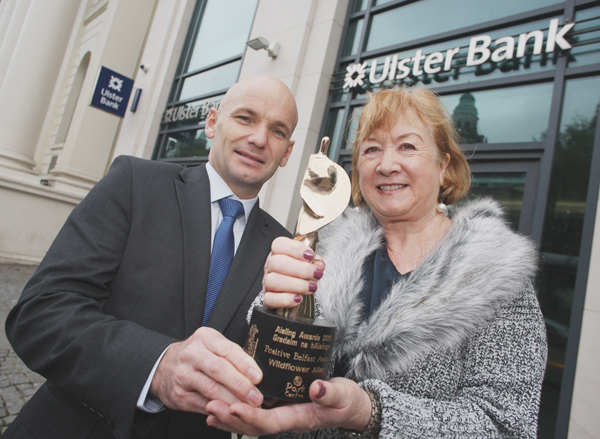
pixel 481 50
pixel 112 92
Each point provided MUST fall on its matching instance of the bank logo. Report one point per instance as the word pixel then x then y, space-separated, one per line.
pixel 112 92
pixel 115 83
pixel 355 73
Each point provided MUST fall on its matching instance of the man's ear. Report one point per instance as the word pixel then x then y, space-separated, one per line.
pixel 287 154
pixel 211 121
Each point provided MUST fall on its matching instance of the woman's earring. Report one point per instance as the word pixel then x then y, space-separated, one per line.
pixel 441 207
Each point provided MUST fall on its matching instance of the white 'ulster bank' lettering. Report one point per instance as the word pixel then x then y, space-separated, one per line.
pixel 479 51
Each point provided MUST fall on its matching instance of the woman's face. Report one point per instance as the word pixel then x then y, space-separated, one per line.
pixel 399 173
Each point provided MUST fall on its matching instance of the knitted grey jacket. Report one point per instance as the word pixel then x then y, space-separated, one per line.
pixel 458 348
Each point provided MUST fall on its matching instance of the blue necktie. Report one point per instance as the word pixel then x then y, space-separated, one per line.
pixel 222 253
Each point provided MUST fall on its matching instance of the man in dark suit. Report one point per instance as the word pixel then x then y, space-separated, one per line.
pixel 113 317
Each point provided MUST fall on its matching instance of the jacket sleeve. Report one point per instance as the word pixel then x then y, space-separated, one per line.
pixel 59 327
pixel 499 390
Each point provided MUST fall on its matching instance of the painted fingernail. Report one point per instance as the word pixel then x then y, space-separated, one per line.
pixel 255 398
pixel 318 273
pixel 312 287
pixel 322 390
pixel 297 298
pixel 309 255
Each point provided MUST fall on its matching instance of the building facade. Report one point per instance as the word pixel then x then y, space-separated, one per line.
pixel 83 82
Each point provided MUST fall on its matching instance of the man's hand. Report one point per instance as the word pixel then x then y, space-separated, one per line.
pixel 336 403
pixel 205 367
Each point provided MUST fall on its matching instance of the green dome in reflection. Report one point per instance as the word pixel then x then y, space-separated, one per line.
pixel 466 106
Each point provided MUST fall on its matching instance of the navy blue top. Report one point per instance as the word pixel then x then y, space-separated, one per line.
pixel 379 274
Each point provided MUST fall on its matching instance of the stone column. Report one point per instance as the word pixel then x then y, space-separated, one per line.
pixel 31 55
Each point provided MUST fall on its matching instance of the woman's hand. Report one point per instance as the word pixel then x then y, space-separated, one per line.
pixel 291 271
pixel 336 403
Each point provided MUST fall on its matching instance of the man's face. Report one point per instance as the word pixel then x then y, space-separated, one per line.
pixel 251 133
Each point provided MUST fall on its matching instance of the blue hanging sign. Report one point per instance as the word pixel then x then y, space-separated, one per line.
pixel 112 92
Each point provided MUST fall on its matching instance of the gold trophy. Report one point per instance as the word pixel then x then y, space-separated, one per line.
pixel 290 345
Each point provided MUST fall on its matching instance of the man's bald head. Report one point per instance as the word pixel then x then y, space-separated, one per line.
pixel 263 83
pixel 251 133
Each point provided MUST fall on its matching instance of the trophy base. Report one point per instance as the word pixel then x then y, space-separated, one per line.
pixel 291 353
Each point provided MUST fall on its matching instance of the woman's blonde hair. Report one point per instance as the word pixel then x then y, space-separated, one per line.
pixel 382 110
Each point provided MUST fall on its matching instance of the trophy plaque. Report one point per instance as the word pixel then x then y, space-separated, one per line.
pixel 290 345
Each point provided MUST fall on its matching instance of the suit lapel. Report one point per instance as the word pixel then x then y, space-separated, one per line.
pixel 193 194
pixel 247 265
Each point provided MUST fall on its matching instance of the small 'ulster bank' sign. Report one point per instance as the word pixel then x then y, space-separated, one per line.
pixel 112 92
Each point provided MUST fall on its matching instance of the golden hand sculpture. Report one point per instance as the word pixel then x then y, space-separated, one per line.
pixel 325 192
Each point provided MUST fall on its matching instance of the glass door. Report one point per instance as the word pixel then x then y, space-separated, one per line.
pixel 512 184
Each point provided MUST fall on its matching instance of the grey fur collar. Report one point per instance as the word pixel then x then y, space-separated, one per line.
pixel 480 263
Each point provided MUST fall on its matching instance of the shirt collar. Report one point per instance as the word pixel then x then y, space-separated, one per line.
pixel 219 189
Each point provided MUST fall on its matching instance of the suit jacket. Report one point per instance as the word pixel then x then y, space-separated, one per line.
pixel 125 277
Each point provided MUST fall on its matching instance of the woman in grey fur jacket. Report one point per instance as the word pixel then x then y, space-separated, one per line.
pixel 439 330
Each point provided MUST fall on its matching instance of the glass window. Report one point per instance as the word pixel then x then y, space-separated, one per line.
pixel 507 188
pixel 507 115
pixel 188 144
pixel 353 38
pixel 353 126
pixel 359 5
pixel 223 33
pixel 211 64
pixel 340 132
pixel 400 25
pixel 586 38
pixel 335 131
pixel 565 212
pixel 193 113
pixel 339 93
pixel 214 79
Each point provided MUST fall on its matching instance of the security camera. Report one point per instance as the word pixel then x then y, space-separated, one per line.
pixel 144 67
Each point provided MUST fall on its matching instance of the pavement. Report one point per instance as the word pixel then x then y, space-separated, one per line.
pixel 17 382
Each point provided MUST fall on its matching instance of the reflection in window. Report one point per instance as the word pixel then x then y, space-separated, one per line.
pixel 401 25
pixel 466 118
pixel 192 113
pixel 586 38
pixel 223 33
pixel 353 126
pixel 335 131
pixel 340 132
pixel 496 116
pixel 561 240
pixel 359 5
pixel 353 37
pixel 211 80
pixel 507 188
pixel 210 64
pixel 187 144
